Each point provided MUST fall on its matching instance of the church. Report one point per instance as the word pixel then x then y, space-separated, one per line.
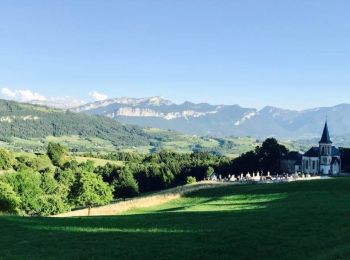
pixel 322 160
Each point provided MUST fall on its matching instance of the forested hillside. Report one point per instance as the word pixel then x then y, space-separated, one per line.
pixel 31 121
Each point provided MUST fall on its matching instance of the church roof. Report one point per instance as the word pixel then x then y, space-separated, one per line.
pixel 325 139
pixel 315 152
pixel 335 151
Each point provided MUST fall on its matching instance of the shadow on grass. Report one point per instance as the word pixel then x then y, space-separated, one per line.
pixel 306 222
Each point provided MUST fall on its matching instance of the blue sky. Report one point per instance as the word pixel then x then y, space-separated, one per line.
pixel 291 54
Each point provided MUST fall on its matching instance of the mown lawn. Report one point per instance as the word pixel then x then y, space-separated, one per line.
pixel 305 220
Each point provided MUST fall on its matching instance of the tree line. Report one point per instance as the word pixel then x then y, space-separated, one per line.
pixel 55 182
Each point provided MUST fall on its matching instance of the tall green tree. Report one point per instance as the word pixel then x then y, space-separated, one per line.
pixel 9 200
pixel 125 185
pixel 27 185
pixel 270 154
pixel 57 153
pixel 89 190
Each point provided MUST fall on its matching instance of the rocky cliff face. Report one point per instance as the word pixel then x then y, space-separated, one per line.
pixel 223 120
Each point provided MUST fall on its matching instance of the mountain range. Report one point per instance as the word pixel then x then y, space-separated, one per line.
pixel 223 120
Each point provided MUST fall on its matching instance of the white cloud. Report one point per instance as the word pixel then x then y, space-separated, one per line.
pixel 97 96
pixel 22 95
pixel 29 96
pixel 8 93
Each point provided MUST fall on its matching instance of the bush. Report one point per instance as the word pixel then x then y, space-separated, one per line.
pixel 9 200
pixel 56 153
pixel 7 159
pixel 191 180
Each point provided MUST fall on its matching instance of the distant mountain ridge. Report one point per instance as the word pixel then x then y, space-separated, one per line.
pixel 222 120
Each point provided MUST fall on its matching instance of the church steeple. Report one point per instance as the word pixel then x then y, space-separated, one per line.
pixel 325 139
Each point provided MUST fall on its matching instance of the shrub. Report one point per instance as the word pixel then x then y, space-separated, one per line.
pixel 6 159
pixel 9 200
pixel 191 180
pixel 56 153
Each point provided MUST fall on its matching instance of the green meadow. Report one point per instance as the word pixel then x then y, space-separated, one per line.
pixel 300 220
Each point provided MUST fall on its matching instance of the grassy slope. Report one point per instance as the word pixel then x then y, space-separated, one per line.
pixel 307 220
pixel 97 161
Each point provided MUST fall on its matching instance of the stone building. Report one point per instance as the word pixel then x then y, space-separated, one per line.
pixel 324 159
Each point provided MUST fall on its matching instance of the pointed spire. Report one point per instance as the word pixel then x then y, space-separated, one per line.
pixel 325 139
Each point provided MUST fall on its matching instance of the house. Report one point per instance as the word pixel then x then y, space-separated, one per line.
pixel 324 159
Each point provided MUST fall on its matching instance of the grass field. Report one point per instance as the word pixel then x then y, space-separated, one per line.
pixel 97 161
pixel 301 220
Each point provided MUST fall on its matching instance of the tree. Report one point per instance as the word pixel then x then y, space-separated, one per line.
pixel 56 153
pixel 40 194
pixel 270 155
pixel 27 185
pixel 89 190
pixel 125 186
pixel 209 172
pixel 6 159
pixel 9 200
pixel 88 166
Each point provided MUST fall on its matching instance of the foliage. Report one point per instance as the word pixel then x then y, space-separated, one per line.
pixel 125 186
pixel 27 186
pixel 9 200
pixel 40 163
pixel 265 158
pixel 190 180
pixel 6 159
pixel 89 190
pixel 57 153
pixel 37 192
pixel 209 172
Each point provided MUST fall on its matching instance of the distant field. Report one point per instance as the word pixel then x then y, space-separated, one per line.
pixel 159 139
pixel 97 162
pixel 74 142
pixel 301 220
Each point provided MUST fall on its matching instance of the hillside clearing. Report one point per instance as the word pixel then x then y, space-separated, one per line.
pixel 97 161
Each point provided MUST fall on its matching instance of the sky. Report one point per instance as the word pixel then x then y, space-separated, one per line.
pixel 292 54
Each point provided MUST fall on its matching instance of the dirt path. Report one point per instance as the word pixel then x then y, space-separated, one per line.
pixel 144 201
